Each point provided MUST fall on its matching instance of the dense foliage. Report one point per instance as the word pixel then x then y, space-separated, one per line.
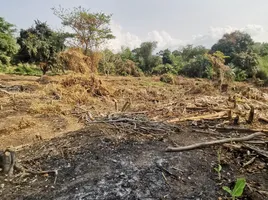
pixel 8 46
pixel 235 55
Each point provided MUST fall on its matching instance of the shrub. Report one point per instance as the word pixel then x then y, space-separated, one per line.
pixel 163 69
pixel 128 67
pixel 167 78
pixel 240 75
pixel 25 69
pixel 199 67
pixel 261 74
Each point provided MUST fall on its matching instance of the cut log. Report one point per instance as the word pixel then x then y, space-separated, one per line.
pixel 215 142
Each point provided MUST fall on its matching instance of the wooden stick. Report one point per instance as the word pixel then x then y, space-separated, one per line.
pixel 263 119
pixel 239 129
pixel 205 144
pixel 219 115
pixel 257 150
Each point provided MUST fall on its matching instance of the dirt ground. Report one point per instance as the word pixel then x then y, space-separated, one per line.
pixel 52 123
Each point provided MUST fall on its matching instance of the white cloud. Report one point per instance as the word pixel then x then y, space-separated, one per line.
pixel 257 32
pixel 165 40
pixel 122 38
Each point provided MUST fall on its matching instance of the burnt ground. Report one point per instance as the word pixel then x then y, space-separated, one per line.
pixel 109 162
pixel 128 160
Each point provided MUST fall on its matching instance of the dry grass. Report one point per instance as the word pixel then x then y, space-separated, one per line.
pixel 74 59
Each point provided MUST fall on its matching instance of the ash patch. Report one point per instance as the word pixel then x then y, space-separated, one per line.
pixel 93 166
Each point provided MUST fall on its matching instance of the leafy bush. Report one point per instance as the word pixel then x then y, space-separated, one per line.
pixel 199 67
pixel 25 69
pixel 163 69
pixel 240 75
pixel 167 78
pixel 262 74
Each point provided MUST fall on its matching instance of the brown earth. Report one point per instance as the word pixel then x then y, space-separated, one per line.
pixel 50 121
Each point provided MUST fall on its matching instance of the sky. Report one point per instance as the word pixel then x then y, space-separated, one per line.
pixel 172 23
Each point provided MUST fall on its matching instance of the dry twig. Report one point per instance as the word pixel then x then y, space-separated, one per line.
pixel 206 144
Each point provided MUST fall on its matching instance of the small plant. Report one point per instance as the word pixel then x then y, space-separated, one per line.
pixel 219 168
pixel 167 78
pixel 238 189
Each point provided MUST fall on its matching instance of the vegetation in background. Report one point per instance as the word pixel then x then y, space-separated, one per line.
pixel 80 51
pixel 91 30
pixel 8 46
pixel 40 44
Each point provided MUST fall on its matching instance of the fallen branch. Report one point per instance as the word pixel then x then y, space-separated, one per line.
pixel 249 162
pixel 210 143
pixel 263 119
pixel 219 115
pixel 257 150
pixel 238 129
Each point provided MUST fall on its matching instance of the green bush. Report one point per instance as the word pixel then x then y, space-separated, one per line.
pixel 24 69
pixel 262 74
pixel 240 75
pixel 198 67
pixel 164 69
pixel 167 78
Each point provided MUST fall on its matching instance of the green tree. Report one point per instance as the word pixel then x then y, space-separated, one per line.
pixel 260 48
pixel 233 43
pixel 166 56
pixel 91 29
pixel 190 52
pixel 247 61
pixel 126 54
pixel 8 46
pixel 108 62
pixel 145 58
pixel 40 44
pixel 197 67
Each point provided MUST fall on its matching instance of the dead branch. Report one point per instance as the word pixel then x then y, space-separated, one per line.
pixel 256 149
pixel 210 143
pixel 238 129
pixel 263 119
pixel 249 162
pixel 219 115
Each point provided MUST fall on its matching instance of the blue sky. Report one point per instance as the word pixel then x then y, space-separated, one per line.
pixel 172 22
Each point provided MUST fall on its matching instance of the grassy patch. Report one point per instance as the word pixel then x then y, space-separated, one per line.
pixel 22 69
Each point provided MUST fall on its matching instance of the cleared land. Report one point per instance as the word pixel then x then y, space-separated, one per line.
pixel 107 137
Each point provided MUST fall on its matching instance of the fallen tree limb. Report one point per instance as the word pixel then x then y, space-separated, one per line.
pixel 207 108
pixel 219 115
pixel 238 129
pixel 263 119
pixel 215 142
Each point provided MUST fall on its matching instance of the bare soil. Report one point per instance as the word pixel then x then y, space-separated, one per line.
pixel 126 160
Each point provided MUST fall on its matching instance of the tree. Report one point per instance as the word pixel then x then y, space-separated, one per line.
pixel 91 29
pixel 260 48
pixel 145 58
pixel 166 56
pixel 197 67
pixel 8 46
pixel 40 44
pixel 233 43
pixel 247 61
pixel 190 52
pixel 108 62
pixel 126 54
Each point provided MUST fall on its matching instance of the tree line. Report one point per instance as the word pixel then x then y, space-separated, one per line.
pixel 41 45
